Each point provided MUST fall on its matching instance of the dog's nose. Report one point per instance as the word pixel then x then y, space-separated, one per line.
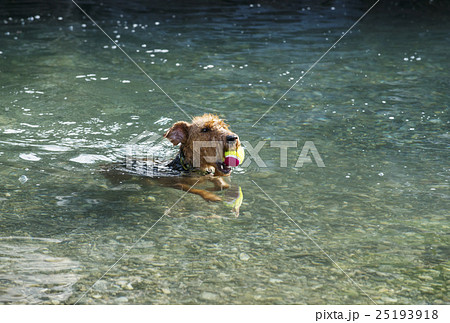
pixel 231 137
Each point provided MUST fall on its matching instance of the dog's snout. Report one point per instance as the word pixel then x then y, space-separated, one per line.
pixel 232 138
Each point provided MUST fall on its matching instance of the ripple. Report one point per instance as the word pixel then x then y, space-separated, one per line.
pixel 54 148
pixel 89 159
pixel 30 157
pixel 12 131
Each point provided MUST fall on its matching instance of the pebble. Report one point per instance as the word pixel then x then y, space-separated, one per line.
pixel 122 283
pixel 388 300
pixel 352 293
pixel 100 285
pixel 318 286
pixel 244 257
pixel 122 299
pixel 23 179
pixel 209 296
pixel 275 280
pixel 426 289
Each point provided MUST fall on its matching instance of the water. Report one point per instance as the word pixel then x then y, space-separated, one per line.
pixel 375 107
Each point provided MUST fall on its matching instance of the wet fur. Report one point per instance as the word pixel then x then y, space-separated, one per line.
pixel 185 134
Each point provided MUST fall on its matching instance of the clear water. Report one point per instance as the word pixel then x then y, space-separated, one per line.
pixel 376 108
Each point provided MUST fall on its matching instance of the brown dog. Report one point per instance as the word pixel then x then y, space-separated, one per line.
pixel 202 149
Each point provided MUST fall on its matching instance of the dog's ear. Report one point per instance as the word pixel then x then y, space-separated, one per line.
pixel 178 133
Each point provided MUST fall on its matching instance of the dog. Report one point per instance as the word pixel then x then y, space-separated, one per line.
pixel 203 143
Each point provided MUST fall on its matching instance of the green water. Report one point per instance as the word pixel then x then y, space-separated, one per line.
pixel 376 109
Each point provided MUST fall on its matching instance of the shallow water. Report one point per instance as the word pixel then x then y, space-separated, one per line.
pixel 375 107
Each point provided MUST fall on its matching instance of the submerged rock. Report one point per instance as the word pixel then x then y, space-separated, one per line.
pixel 209 296
pixel 244 257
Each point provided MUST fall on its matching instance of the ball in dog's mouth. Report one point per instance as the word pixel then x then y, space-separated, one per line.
pixel 234 158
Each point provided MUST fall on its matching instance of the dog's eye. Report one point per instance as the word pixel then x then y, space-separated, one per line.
pixel 205 130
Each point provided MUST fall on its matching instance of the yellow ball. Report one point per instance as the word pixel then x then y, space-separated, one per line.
pixel 234 158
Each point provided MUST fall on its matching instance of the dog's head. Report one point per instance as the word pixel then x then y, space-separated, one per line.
pixel 204 142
